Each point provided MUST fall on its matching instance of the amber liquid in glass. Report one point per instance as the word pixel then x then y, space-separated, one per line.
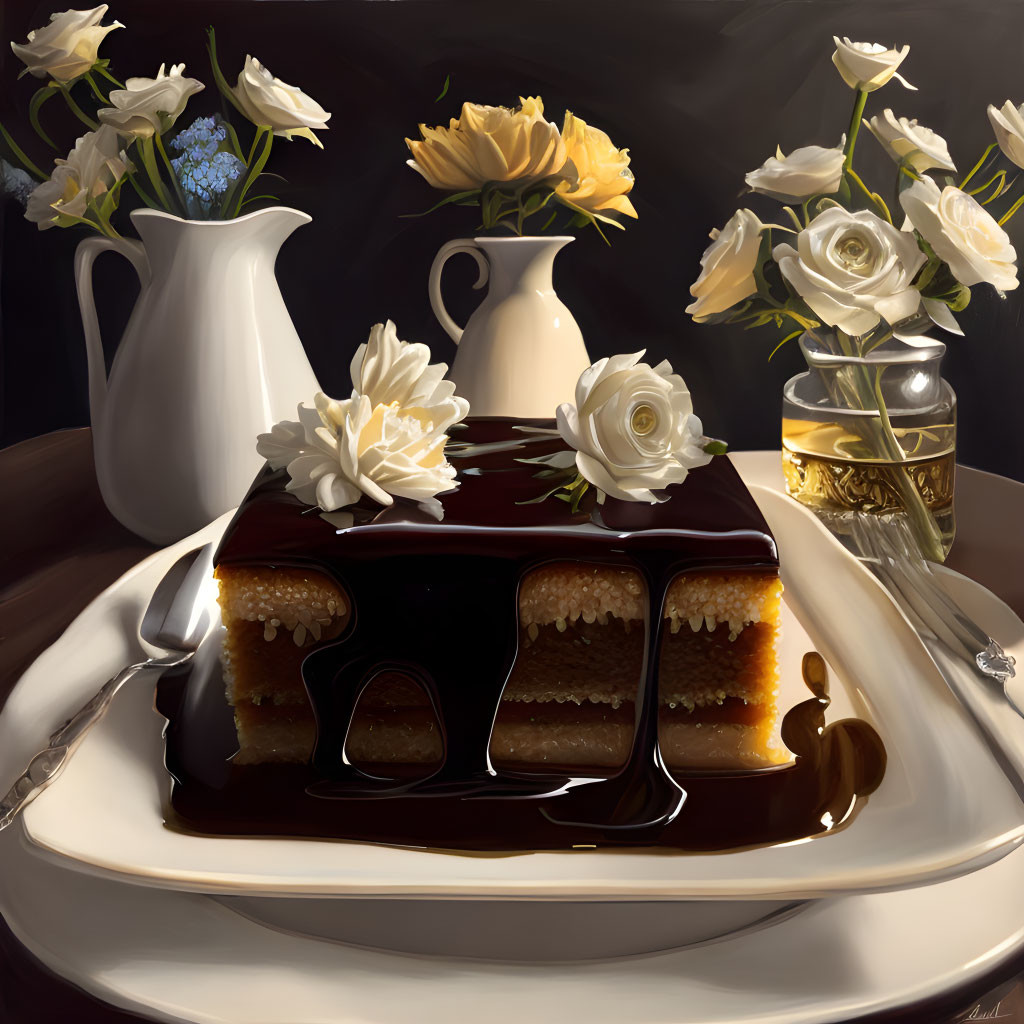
pixel 827 468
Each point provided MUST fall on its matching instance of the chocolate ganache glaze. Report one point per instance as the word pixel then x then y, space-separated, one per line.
pixel 404 573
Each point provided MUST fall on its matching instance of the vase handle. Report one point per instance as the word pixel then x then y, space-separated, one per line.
pixel 447 250
pixel 85 255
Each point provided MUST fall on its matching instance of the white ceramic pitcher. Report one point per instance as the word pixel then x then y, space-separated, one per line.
pixel 209 359
pixel 521 352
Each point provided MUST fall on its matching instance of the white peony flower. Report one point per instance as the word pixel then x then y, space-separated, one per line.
pixel 963 233
pixel 93 167
pixel 67 47
pixel 907 141
pixel 633 428
pixel 808 171
pixel 727 267
pixel 853 269
pixel 147 106
pixel 385 442
pixel 268 101
pixel 1008 124
pixel 868 66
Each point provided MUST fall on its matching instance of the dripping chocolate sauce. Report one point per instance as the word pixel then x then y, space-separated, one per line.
pixel 405 573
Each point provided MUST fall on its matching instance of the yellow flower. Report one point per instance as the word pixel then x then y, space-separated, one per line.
pixel 489 144
pixel 603 171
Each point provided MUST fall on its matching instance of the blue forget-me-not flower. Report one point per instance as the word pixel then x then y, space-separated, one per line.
pixel 206 167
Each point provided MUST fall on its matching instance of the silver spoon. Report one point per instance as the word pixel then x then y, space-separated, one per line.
pixel 175 621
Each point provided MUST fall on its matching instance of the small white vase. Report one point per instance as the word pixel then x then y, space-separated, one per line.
pixel 209 359
pixel 521 352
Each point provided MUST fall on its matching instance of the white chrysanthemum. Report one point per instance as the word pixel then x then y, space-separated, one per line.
pixel 386 441
pixel 633 428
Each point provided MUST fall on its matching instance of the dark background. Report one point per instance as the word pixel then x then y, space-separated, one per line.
pixel 701 91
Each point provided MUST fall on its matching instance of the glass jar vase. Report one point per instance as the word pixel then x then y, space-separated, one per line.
pixel 871 427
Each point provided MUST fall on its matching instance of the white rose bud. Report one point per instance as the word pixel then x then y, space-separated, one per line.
pixel 633 428
pixel 868 66
pixel 963 233
pixel 148 106
pixel 93 167
pixel 268 101
pixel 809 171
pixel 67 47
pixel 853 269
pixel 1008 124
pixel 908 142
pixel 727 267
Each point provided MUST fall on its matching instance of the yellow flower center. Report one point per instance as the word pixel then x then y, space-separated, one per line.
pixel 854 253
pixel 643 420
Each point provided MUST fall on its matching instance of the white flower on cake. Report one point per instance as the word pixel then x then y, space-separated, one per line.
pixel 908 142
pixel 868 66
pixel 808 171
pixel 1008 124
pixel 67 46
pixel 284 108
pixel 91 169
pixel 385 442
pixel 853 269
pixel 488 144
pixel 150 105
pixel 727 267
pixel 963 233
pixel 632 428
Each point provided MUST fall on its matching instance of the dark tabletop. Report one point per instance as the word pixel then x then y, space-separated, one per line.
pixel 61 548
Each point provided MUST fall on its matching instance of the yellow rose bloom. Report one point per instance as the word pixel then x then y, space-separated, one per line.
pixel 487 144
pixel 603 171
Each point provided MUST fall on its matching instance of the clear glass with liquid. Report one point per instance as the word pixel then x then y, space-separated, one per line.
pixel 875 434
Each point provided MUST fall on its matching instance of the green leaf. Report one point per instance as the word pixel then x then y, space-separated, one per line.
pixel 21 157
pixel 254 199
pixel 716 448
pixel 257 167
pixel 543 497
pixel 468 198
pixel 444 92
pixel 38 99
pixel 218 75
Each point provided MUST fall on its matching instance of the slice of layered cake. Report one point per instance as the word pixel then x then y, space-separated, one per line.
pixel 542 615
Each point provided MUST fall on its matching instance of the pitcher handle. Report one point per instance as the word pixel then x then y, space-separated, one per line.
pixel 447 250
pixel 85 255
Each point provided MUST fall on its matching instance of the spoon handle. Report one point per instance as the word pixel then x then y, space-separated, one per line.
pixel 48 763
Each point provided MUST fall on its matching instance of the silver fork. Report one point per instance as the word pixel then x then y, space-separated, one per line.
pixel 174 621
pixel 887 546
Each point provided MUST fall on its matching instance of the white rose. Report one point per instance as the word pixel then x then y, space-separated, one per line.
pixel 93 167
pixel 907 141
pixel 868 66
pixel 808 171
pixel 963 233
pixel 853 269
pixel 66 48
pixel 386 442
pixel 633 428
pixel 268 101
pixel 150 105
pixel 727 267
pixel 1008 124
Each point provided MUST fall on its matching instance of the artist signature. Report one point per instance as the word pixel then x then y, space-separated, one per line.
pixel 993 1013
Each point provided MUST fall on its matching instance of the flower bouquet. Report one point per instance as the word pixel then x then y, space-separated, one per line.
pixel 858 279
pixel 515 165
pixel 202 171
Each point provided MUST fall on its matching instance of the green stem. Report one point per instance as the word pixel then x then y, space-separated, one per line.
pixel 178 192
pixel 1011 211
pixel 855 119
pixel 96 89
pixel 148 151
pixel 977 167
pixel 21 157
pixel 77 110
pixel 875 198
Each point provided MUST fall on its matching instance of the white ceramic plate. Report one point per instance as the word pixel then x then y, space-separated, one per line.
pixel 944 807
pixel 177 956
